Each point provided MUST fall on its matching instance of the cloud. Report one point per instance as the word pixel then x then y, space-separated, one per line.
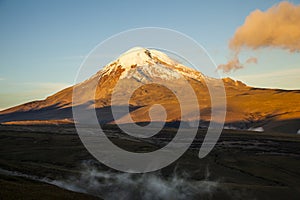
pixel 277 27
pixel 282 73
pixel 251 60
pixel 233 64
pixel 284 79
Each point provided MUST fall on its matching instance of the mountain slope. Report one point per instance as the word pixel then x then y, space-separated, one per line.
pixel 144 69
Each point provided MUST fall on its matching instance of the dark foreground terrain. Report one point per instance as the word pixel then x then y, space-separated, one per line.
pixel 50 162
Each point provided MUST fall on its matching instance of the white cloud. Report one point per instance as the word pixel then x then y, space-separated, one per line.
pixel 277 27
pixel 285 79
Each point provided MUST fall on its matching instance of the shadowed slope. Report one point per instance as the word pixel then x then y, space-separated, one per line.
pixel 144 69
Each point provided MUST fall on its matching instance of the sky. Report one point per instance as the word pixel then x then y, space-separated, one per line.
pixel 43 43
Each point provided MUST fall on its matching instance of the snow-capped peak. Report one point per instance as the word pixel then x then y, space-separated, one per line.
pixel 141 56
pixel 141 63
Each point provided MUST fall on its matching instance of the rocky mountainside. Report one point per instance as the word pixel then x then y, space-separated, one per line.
pixel 147 72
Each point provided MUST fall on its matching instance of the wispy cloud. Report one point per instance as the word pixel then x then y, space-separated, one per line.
pixel 251 60
pixel 285 79
pixel 282 73
pixel 231 65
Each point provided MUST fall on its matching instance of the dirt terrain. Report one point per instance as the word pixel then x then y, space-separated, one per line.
pixel 142 78
pixel 49 161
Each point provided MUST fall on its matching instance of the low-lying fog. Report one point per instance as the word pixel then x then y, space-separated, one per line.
pixel 125 186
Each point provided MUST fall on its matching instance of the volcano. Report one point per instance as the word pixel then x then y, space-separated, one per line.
pixel 144 69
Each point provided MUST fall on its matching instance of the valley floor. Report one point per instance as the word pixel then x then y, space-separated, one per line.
pixel 50 162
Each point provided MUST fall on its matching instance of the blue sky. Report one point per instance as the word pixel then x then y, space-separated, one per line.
pixel 44 42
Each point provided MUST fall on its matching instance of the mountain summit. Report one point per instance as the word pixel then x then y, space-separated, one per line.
pixel 144 69
pixel 141 63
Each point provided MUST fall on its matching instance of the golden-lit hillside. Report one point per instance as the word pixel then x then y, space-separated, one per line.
pixel 147 77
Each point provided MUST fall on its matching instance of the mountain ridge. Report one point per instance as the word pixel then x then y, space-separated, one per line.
pixel 139 67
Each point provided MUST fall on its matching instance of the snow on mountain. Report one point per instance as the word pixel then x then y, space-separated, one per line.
pixel 147 64
pixel 271 109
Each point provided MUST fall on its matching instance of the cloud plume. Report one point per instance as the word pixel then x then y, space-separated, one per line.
pixel 251 60
pixel 231 65
pixel 277 27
